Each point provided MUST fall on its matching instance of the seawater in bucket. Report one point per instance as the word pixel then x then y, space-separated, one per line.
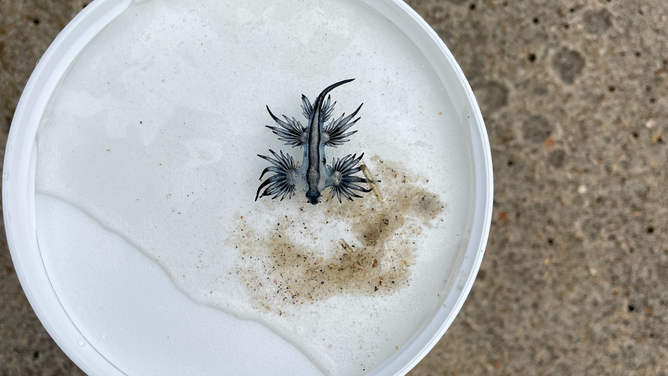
pixel 145 172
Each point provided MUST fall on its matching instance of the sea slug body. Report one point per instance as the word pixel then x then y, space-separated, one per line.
pixel 313 175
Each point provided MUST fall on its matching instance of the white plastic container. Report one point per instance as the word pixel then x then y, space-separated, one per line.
pixel 49 295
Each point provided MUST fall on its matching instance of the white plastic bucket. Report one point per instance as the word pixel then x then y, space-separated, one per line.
pixel 19 184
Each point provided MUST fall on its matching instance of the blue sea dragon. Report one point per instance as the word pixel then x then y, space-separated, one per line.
pixel 313 175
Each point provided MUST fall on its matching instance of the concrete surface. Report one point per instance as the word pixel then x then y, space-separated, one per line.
pixel 574 93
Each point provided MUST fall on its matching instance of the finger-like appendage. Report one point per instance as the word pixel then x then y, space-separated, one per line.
pixel 282 183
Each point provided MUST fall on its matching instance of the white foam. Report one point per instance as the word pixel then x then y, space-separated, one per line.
pixel 130 311
pixel 154 133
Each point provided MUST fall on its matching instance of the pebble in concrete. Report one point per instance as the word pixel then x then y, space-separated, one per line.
pixel 596 22
pixel 536 128
pixel 568 64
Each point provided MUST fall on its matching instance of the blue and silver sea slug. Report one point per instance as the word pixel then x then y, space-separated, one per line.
pixel 313 175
